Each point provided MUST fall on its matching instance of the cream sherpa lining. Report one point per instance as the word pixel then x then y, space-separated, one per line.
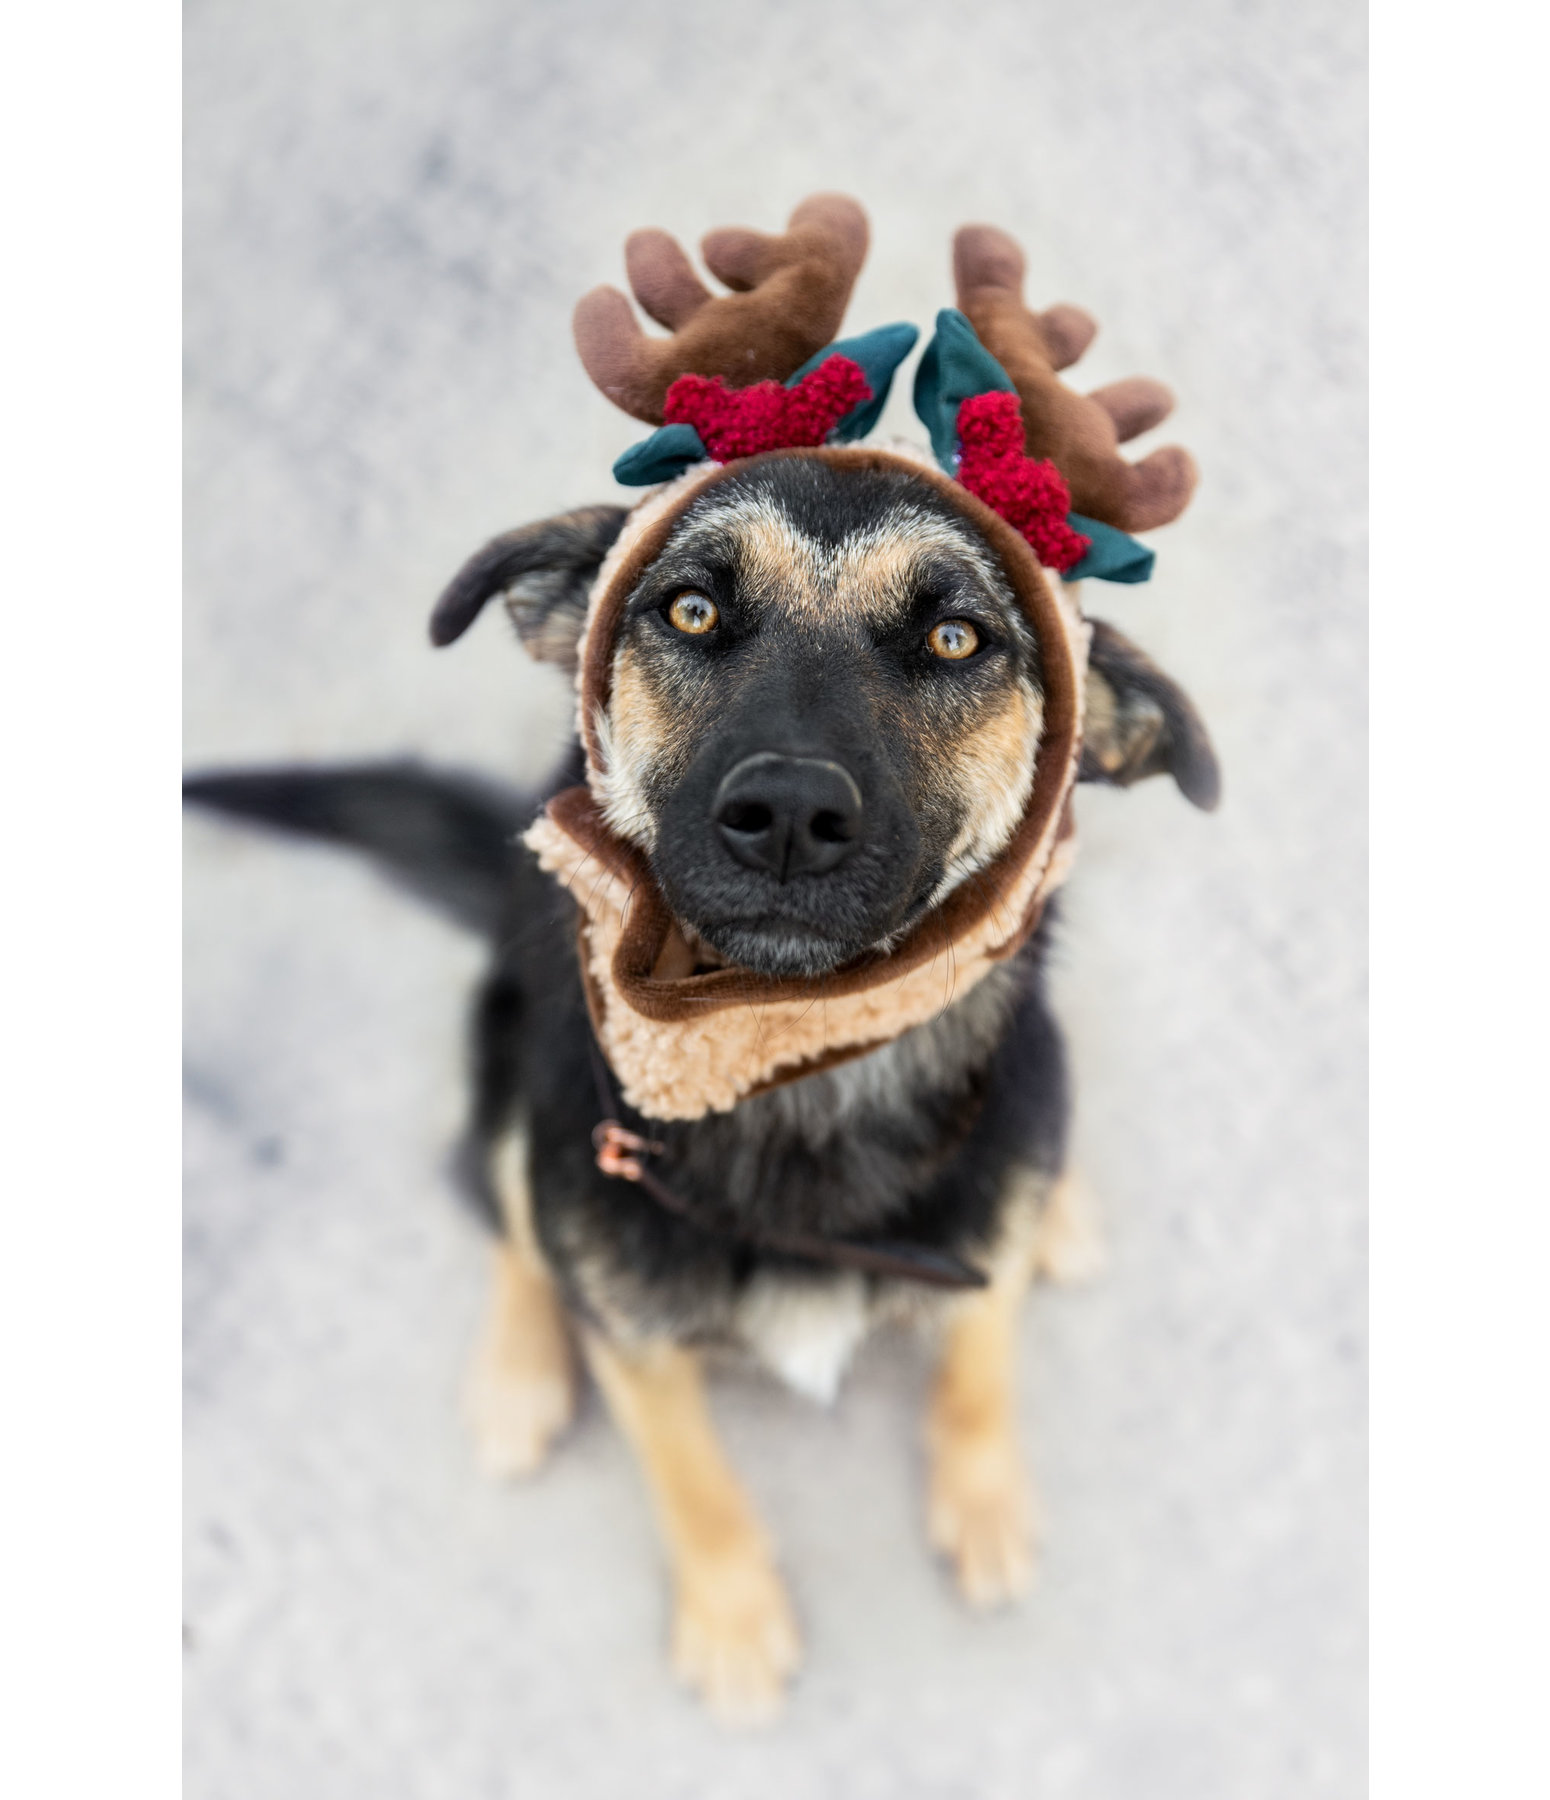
pixel 683 1048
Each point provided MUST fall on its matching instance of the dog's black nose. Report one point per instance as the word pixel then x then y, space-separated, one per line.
pixel 788 815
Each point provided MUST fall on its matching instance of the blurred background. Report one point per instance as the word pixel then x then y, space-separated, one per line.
pixel 391 212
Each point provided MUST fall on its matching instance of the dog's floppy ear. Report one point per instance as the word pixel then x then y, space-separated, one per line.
pixel 1140 723
pixel 543 571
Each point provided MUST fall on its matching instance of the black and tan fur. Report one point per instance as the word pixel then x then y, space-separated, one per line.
pixel 951 1136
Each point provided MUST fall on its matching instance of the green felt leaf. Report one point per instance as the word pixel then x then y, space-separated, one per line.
pixel 878 355
pixel 955 367
pixel 665 454
pixel 1114 556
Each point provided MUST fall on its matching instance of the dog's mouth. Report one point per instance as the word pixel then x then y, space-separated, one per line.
pixel 787 941
pixel 777 947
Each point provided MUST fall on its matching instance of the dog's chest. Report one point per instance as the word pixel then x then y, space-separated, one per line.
pixel 806 1326
pixel 841 1152
pixel 806 1330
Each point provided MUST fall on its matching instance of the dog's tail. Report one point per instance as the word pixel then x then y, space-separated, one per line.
pixel 449 838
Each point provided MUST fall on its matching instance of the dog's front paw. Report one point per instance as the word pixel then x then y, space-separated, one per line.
pixel 516 1408
pixel 981 1514
pixel 734 1639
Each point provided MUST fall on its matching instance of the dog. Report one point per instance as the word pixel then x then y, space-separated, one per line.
pixel 817 706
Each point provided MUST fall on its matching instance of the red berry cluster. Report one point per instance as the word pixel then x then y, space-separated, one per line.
pixel 1031 496
pixel 745 421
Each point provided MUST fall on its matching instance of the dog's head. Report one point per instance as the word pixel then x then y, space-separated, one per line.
pixel 823 712
pixel 823 702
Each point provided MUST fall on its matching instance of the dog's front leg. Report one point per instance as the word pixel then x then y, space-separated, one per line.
pixel 733 1634
pixel 980 1508
pixel 521 1389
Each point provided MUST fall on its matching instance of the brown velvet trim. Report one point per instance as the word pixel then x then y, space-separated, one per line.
pixel 575 811
pixel 1036 906
pixel 815 1065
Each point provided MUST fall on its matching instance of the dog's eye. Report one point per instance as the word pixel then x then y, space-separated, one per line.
pixel 693 613
pixel 953 640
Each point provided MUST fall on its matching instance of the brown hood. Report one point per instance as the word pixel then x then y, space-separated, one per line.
pixel 682 1044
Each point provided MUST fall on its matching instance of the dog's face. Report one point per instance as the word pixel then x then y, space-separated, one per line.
pixel 824 711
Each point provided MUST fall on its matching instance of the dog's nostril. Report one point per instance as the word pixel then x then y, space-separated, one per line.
pixel 746 815
pixel 832 828
pixel 789 815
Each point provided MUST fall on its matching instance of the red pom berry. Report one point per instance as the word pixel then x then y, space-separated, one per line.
pixel 1031 496
pixel 735 422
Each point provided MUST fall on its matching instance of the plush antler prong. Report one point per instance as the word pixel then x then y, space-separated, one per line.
pixel 662 278
pixel 1135 404
pixel 1067 329
pixel 1078 434
pixel 733 255
pixel 615 351
pixel 790 296
pixel 743 258
pixel 989 264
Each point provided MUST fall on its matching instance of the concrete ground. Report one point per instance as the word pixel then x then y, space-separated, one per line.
pixel 392 210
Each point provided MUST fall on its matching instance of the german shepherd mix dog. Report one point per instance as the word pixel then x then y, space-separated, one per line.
pixel 764 1054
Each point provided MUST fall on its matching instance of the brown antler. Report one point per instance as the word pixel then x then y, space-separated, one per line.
pixel 790 295
pixel 1078 434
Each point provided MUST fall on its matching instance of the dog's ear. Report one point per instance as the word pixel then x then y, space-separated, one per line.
pixel 1140 723
pixel 544 572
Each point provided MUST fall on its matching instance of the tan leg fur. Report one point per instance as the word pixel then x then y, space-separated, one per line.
pixel 733 1637
pixel 980 1507
pixel 1070 1245
pixel 521 1391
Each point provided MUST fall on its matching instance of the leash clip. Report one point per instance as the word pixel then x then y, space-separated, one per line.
pixel 619 1151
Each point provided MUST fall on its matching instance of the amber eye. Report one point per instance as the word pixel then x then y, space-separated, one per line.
pixel 953 640
pixel 693 613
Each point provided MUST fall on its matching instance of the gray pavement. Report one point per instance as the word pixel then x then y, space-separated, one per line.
pixel 392 210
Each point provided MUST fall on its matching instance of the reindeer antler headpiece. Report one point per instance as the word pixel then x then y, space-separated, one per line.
pixel 789 295
pixel 759 372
